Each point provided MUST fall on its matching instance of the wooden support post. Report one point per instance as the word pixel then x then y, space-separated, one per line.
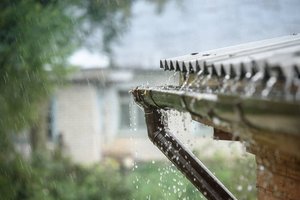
pixel 278 174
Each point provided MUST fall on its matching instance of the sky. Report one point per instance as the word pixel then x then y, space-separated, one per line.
pixel 194 26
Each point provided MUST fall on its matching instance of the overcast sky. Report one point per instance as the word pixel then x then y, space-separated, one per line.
pixel 194 26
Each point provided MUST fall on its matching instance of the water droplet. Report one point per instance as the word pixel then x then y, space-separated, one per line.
pixel 239 188
pixel 261 167
pixel 249 188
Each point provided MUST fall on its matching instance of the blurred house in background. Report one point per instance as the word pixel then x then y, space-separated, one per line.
pixel 94 116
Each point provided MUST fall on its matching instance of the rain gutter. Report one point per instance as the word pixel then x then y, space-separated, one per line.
pixel 178 154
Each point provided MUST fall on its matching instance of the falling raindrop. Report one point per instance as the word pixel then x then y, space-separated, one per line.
pixel 239 188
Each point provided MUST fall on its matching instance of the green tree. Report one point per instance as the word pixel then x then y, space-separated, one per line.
pixel 36 38
pixel 33 47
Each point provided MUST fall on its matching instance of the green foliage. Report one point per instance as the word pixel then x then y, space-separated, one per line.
pixel 112 16
pixel 32 37
pixel 14 179
pixel 51 179
pixel 238 174
pixel 164 181
pixel 161 181
pixel 36 38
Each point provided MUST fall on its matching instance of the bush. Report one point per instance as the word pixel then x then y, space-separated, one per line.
pixel 161 180
pixel 52 179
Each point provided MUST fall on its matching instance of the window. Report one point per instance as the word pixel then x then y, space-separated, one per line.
pixel 51 132
pixel 131 116
pixel 125 114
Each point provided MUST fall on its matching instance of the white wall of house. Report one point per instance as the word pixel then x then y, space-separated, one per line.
pixel 97 116
pixel 78 120
pixel 129 136
pixel 111 110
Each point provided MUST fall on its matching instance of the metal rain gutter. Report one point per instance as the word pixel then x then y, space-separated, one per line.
pixel 179 155
pixel 261 117
pixel 251 91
